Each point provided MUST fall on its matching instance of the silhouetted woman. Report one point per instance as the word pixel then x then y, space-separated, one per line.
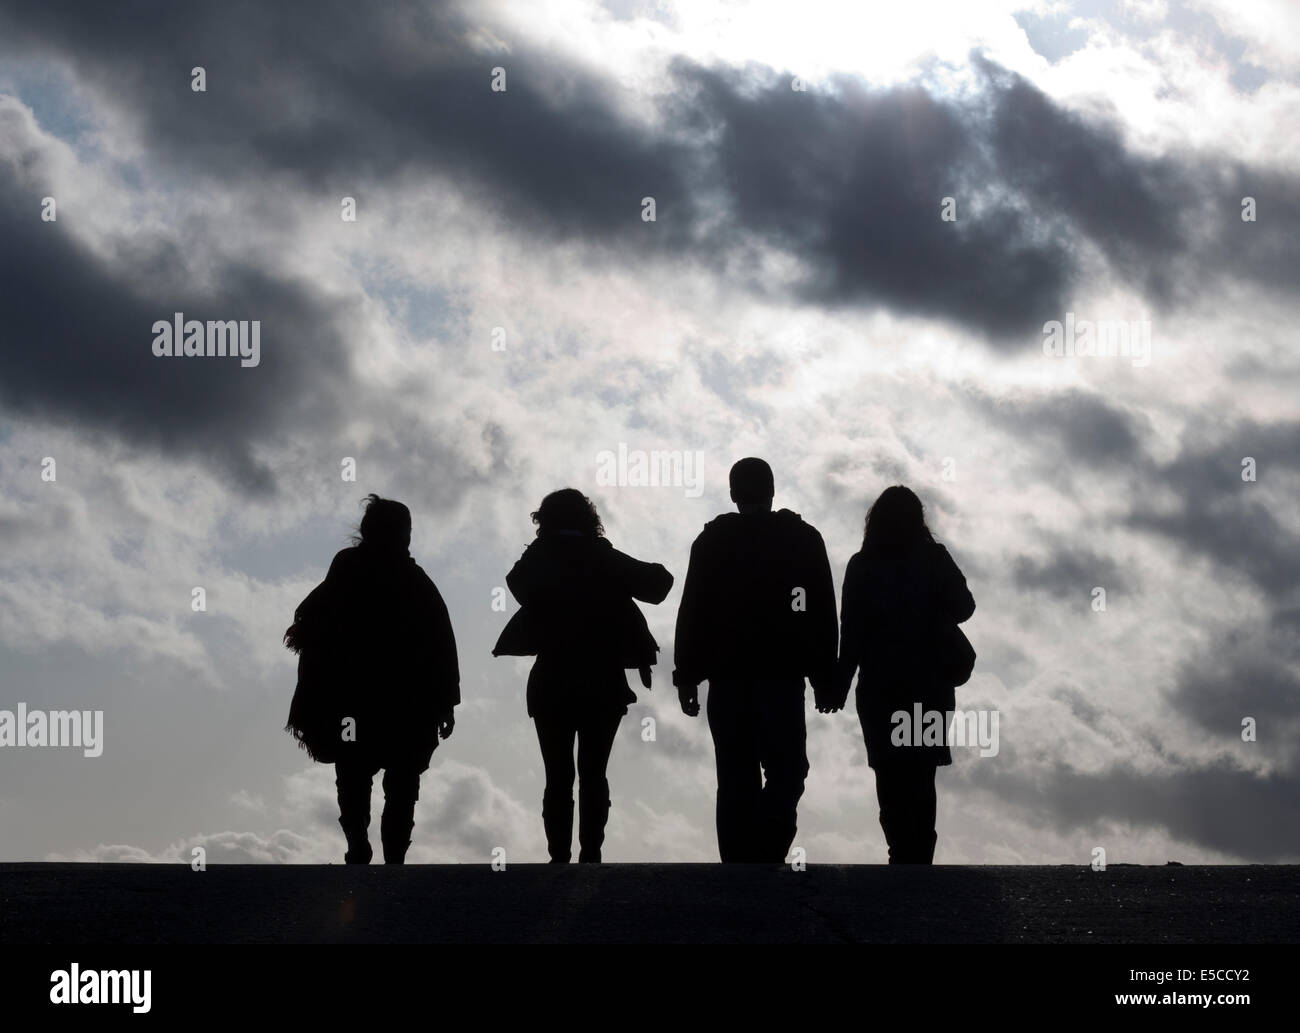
pixel 903 598
pixel 378 678
pixel 578 617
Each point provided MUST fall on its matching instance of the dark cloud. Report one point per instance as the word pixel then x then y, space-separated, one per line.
pixel 1068 573
pixel 847 178
pixel 1079 174
pixel 1250 672
pixel 342 103
pixel 1218 805
pixel 1219 516
pixel 1079 426
pixel 77 341
pixel 852 180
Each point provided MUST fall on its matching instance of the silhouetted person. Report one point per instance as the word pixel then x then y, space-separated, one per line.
pixel 578 617
pixel 901 591
pixel 378 678
pixel 757 617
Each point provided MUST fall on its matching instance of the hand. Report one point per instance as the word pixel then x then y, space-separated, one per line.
pixel 689 696
pixel 645 677
pixel 446 724
pixel 829 700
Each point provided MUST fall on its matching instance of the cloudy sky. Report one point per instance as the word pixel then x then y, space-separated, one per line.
pixel 799 295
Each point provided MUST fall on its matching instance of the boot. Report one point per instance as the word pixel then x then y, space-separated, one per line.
pixel 359 851
pixel 395 832
pixel 593 813
pixel 395 852
pixel 557 818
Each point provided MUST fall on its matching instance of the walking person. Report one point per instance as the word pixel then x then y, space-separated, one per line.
pixel 902 600
pixel 757 617
pixel 378 677
pixel 578 617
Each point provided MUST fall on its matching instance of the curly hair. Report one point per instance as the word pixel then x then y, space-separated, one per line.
pixel 568 510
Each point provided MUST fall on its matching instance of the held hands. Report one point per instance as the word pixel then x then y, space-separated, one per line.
pixel 830 697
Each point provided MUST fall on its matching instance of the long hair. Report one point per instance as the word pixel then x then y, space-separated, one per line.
pixel 895 522
pixel 385 523
pixel 568 510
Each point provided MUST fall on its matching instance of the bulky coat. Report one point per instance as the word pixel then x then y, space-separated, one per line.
pixel 376 645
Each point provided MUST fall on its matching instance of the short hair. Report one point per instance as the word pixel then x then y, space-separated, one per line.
pixel 751 481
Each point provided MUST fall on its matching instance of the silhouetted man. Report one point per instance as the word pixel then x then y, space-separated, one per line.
pixel 757 617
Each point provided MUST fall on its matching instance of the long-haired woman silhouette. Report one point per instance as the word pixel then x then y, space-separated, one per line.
pixel 578 617
pixel 902 599
pixel 378 678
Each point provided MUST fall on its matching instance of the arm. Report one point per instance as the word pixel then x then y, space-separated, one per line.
pixel 649 582
pixel 851 624
pixel 520 580
pixel 316 617
pixel 688 651
pixel 444 659
pixel 954 597
pixel 825 633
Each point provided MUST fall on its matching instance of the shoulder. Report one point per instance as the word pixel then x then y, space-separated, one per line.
pixel 945 564
pixel 856 569
pixel 942 556
pixel 794 523
pixel 532 550
pixel 347 558
pixel 717 528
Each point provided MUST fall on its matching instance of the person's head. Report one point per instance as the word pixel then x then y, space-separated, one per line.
pixel 896 520
pixel 385 526
pixel 752 486
pixel 568 510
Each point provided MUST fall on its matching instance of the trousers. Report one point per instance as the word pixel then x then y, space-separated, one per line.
pixel 760 746
pixel 907 801
pixel 354 779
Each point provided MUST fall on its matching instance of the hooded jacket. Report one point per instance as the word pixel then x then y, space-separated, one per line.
pixel 758 602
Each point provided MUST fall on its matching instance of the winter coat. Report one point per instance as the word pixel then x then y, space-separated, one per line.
pixel 895 605
pixel 578 617
pixel 376 645
pixel 758 602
